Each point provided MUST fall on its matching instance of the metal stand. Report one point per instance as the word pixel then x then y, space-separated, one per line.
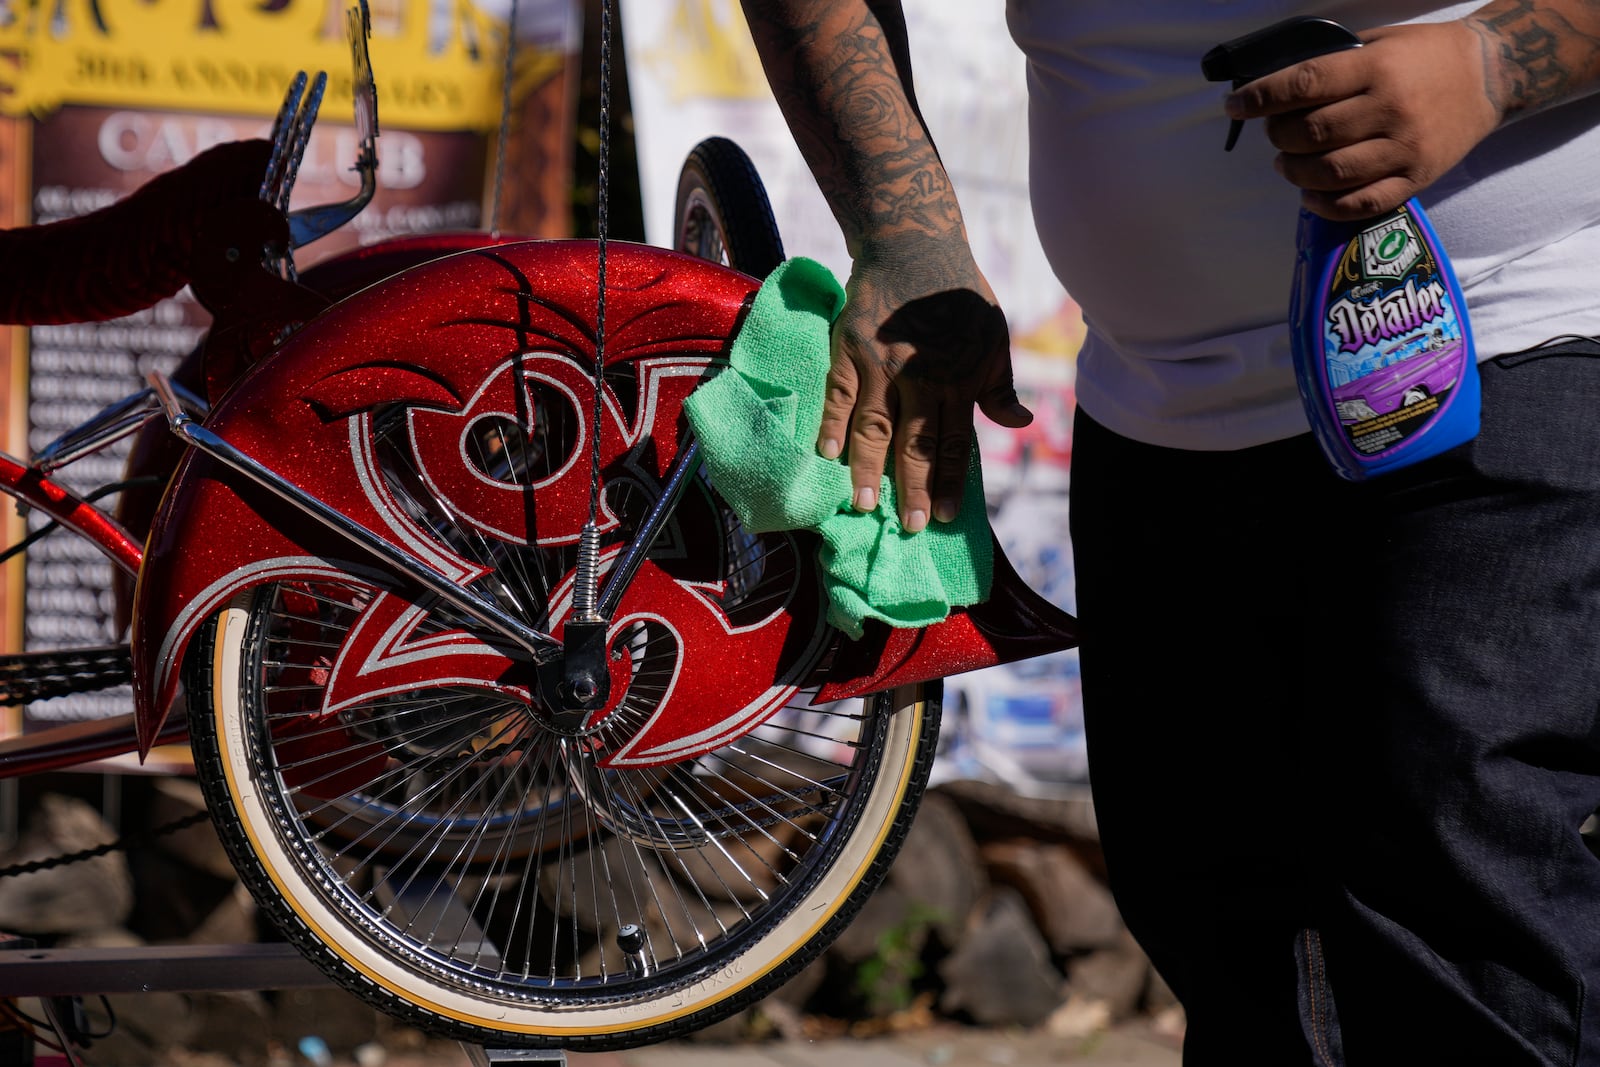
pixel 58 977
pixel 62 972
pixel 493 1057
pixel 56 972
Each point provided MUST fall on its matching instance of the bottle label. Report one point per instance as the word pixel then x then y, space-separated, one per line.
pixel 1393 342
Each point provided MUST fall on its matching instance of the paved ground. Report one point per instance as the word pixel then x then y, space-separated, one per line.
pixel 1130 1046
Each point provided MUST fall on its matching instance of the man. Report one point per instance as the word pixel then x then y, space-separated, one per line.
pixel 1342 736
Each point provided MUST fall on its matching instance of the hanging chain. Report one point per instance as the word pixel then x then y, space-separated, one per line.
pixel 119 845
pixel 504 142
pixel 588 565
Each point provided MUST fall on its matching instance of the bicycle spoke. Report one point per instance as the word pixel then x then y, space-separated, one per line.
pixel 461 825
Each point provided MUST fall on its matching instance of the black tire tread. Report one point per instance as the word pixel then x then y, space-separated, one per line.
pixel 749 230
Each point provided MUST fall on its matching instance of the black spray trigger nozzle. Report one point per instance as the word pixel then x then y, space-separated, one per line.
pixel 1235 127
pixel 1280 45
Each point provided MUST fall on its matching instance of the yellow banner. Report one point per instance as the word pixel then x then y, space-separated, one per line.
pixel 435 69
pixel 706 52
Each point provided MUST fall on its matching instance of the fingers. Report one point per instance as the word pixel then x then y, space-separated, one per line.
pixel 925 432
pixel 932 450
pixel 1360 131
pixel 1347 163
pixel 1348 156
pixel 911 357
pixel 999 402
pixel 1305 85
pixel 857 415
pixel 1349 167
pixel 838 403
pixel 1352 205
pixel 1337 142
pixel 1326 127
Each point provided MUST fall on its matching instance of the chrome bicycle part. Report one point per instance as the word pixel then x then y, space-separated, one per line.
pixel 539 647
pixel 110 425
pixel 308 224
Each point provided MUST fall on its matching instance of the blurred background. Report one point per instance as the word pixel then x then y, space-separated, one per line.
pixel 995 916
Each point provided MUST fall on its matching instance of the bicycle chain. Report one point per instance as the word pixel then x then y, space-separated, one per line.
pixel 118 845
pixel 29 676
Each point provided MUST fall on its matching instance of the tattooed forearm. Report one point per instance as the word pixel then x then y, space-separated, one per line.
pixel 842 83
pixel 1538 52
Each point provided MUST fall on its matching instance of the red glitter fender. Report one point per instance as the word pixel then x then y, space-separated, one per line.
pixel 438 337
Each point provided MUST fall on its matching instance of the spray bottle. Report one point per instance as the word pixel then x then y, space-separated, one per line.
pixel 1383 352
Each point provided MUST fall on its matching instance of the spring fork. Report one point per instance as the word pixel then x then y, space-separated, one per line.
pixel 583 600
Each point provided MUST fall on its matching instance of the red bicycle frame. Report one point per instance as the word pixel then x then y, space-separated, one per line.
pixel 334 371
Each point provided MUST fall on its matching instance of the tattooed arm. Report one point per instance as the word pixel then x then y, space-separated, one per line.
pixel 920 339
pixel 1361 131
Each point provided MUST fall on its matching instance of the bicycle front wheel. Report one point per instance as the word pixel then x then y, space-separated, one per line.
pixel 445 853
pixel 415 801
pixel 607 935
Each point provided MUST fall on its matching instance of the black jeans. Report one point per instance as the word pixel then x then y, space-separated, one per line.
pixel 1342 737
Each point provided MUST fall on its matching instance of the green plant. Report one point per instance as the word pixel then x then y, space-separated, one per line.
pixel 886 981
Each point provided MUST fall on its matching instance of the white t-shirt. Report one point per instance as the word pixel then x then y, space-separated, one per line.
pixel 1181 254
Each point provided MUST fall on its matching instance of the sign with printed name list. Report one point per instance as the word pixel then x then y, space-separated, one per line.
pixel 103 95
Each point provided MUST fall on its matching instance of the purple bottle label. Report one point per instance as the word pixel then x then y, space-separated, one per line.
pixel 1392 338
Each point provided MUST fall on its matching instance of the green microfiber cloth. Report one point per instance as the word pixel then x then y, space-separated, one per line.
pixel 757 423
